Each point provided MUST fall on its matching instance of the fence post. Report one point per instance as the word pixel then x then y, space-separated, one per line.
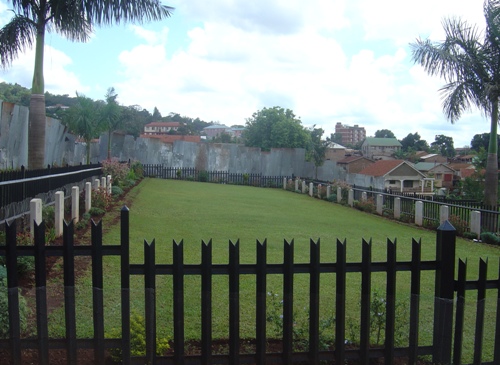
pixel 88 196
pixel 380 204
pixel 419 213
pixel 296 185
pixel 443 213
pixel 350 198
pixel 475 223
pixel 364 196
pixel 328 191
pixel 75 204
pixel 97 184
pixel 311 189
pixel 35 214
pixel 303 186
pixel 397 208
pixel 284 183
pixel 58 212
pixel 444 293
pixel 108 184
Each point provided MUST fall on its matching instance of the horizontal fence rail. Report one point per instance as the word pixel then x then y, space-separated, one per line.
pixel 260 272
pixel 16 186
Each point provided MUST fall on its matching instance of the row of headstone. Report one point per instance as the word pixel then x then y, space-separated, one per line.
pixel 475 217
pixel 36 204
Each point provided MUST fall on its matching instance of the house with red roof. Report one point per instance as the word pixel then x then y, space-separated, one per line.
pixel 354 164
pixel 397 175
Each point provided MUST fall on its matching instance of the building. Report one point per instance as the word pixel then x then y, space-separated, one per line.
pixel 350 135
pixel 334 152
pixel 380 148
pixel 354 164
pixel 159 128
pixel 214 130
pixel 442 173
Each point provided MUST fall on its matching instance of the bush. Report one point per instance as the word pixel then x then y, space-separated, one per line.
pixel 94 211
pixel 118 171
pixel 365 206
pixel 137 339
pixel 332 198
pixel 138 169
pixel 459 224
pixel 116 190
pixel 48 216
pixel 100 198
pixel 490 238
pixel 470 235
pixel 203 176
pixel 25 264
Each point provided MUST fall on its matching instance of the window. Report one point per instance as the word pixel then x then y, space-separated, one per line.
pixel 392 182
pixel 408 184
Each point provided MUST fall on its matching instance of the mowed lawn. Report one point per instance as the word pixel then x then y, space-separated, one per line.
pixel 168 210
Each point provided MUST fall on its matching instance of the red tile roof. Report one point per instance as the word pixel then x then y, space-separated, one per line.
pixel 381 167
pixel 163 124
pixel 351 159
pixel 166 138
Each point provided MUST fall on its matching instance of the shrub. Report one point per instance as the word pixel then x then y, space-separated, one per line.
pixel 459 224
pixel 470 235
pixel 25 264
pixel 116 190
pixel 94 211
pixel 48 216
pixel 490 238
pixel 138 169
pixel 100 198
pixel 365 206
pixel 203 176
pixel 117 170
pixel 332 198
pixel 137 339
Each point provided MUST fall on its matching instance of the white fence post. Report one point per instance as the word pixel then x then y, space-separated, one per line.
pixel 284 183
pixel 339 194
pixel 475 223
pixel 364 196
pixel 296 184
pixel 380 204
pixel 311 189
pixel 303 186
pixel 35 214
pixel 103 183
pixel 88 196
pixel 319 190
pixel 97 184
pixel 350 198
pixel 75 204
pixel 419 213
pixel 58 213
pixel 443 213
pixel 397 208
pixel 108 184
pixel 328 191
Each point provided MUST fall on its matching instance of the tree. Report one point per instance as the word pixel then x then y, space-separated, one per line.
pixel 471 70
pixel 317 148
pixel 275 128
pixel 85 120
pixel 156 114
pixel 384 133
pixel 444 145
pixel 73 20
pixel 335 138
pixel 412 143
pixel 482 140
pixel 111 115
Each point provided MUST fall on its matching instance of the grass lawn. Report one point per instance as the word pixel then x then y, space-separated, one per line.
pixel 167 210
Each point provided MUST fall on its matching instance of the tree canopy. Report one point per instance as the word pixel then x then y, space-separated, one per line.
pixel 275 128
pixel 384 133
pixel 412 142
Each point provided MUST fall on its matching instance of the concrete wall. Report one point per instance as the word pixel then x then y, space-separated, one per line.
pixel 62 148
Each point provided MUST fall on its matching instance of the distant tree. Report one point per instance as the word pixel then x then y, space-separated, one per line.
pixel 443 145
pixel 111 115
pixel 412 142
pixel 335 138
pixel 482 140
pixel 85 120
pixel 275 128
pixel 468 61
pixel 134 118
pixel 156 114
pixel 16 94
pixel 223 138
pixel 384 133
pixel 316 151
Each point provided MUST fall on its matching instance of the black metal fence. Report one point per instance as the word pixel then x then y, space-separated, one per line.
pixel 221 177
pixel 447 292
pixel 18 185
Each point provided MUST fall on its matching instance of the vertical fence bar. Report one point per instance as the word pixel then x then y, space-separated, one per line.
pixel 260 315
pixel 13 292
pixel 69 292
pixel 41 294
pixel 481 299
pixel 416 255
pixel 459 315
pixel 496 355
pixel 444 293
pixel 150 301
pixel 390 302
pixel 288 302
pixel 178 277
pixel 234 302
pixel 97 292
pixel 125 282
pixel 366 279
pixel 206 303
pixel 314 248
pixel 340 303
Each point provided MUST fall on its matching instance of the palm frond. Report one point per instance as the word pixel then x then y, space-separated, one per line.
pixel 15 36
pixel 68 20
pixel 116 11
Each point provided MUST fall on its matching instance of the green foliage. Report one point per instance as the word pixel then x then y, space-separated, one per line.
pixel 118 171
pixel 470 235
pixel 138 169
pixel 95 212
pixel 100 198
pixel 317 149
pixel 490 238
pixel 83 222
pixel 137 339
pixel 378 317
pixel 48 216
pixel 203 176
pixel 443 145
pixel 116 190
pixel 460 225
pixel 4 313
pixel 384 133
pixel 25 264
pixel 473 187
pixel 412 143
pixel 275 128
pixel 365 206
pixel 332 198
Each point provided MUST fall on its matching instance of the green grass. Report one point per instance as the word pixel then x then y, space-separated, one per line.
pixel 167 210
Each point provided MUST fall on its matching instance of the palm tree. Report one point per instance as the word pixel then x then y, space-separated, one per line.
pixel 111 115
pixel 468 60
pixel 85 119
pixel 73 20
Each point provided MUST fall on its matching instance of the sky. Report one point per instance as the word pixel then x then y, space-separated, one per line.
pixel 329 61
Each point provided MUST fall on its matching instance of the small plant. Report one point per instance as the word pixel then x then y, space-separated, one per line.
pixel 83 222
pixel 332 198
pixel 490 238
pixel 101 198
pixel 138 169
pixel 48 216
pixel 178 173
pixel 365 206
pixel 459 224
pixel 203 176
pixel 470 235
pixel 137 339
pixel 116 190
pixel 118 171
pixel 4 314
pixel 95 212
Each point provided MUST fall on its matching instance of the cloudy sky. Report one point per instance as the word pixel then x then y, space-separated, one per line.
pixel 329 61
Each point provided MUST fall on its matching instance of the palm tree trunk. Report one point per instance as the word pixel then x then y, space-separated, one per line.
pixel 37 120
pixel 109 144
pixel 491 178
